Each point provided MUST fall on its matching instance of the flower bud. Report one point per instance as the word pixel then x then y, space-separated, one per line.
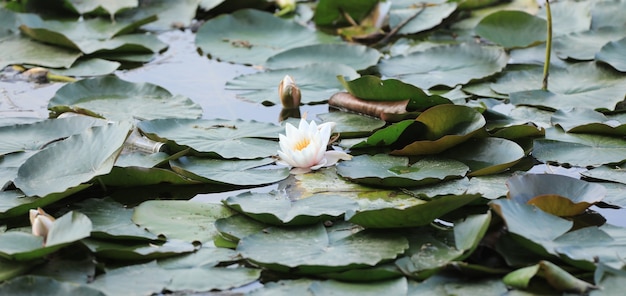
pixel 289 93
pixel 41 223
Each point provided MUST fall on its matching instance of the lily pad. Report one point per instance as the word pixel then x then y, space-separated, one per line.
pixel 137 250
pixel 227 37
pixel 556 194
pixel 512 29
pixel 147 278
pixel 217 137
pixel 112 220
pixel 430 17
pixel 89 67
pixel 350 125
pixel 116 99
pixel 446 127
pixel 211 278
pixel 170 14
pixel 237 226
pixel 372 88
pixel 608 173
pixel 205 256
pixel 579 149
pixel 330 13
pixel 314 249
pixel 185 220
pixel 446 65
pixel 612 53
pixel 229 172
pixel 65 168
pixel 577 16
pixel 582 120
pixel 64 231
pixel 20 50
pixel 15 203
pixel 556 276
pixel 358 57
pixel 583 46
pixel 278 209
pixel 386 170
pixel 317 83
pixel 111 7
pixel 486 156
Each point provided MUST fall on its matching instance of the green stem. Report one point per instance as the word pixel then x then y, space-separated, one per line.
pixel 546 65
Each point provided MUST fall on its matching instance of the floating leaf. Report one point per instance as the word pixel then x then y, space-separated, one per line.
pixel 64 231
pixel 278 209
pixel 446 65
pixel 330 13
pixel 612 53
pixel 137 250
pixel 386 170
pixel 211 278
pixel 372 88
pixel 20 50
pixel 15 203
pixel 184 220
pixel 391 287
pixel 112 220
pixel 430 17
pixel 349 125
pixel 317 83
pixel 609 173
pixel 556 194
pixel 583 46
pixel 404 211
pixel 65 167
pixel 577 16
pixel 446 126
pixel 170 14
pixel 358 57
pixel 116 99
pixel 89 67
pixel 218 137
pixel 237 226
pixel 111 7
pixel 314 249
pixel 229 172
pixel 579 149
pixel 227 37
pixel 204 256
pixel 582 120
pixel 512 29
pixel 147 278
pixel 486 156
pixel 557 277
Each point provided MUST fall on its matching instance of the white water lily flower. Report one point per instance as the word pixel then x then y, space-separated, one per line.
pixel 304 148
pixel 41 223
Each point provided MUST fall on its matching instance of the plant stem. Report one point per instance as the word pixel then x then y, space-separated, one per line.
pixel 546 65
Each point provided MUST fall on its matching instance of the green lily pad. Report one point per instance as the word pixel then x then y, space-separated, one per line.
pixel 278 209
pixel 608 173
pixel 579 149
pixel 65 167
pixel 446 65
pixel 582 120
pixel 15 203
pixel 89 67
pixel 205 256
pixel 446 127
pixel 486 156
pixel 170 14
pixel 237 226
pixel 372 88
pixel 391 287
pixel 386 170
pixel 405 211
pixel 111 220
pixel 529 224
pixel 381 272
pixel 64 231
pixel 217 137
pixel 20 50
pixel 358 57
pixel 136 250
pixel 330 13
pixel 147 278
pixel 227 37
pixel 10 269
pixel 583 46
pixel 38 135
pixel 317 83
pixel 43 285
pixel 229 172
pixel 523 85
pixel 577 16
pixel 557 277
pixel 314 249
pixel 138 169
pixel 512 29
pixel 211 278
pixel 430 17
pixel 177 219
pixel 350 125
pixel 612 53
pixel 556 194
pixel 116 99
pixel 83 7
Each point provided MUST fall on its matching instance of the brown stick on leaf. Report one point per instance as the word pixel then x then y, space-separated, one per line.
pixel 385 110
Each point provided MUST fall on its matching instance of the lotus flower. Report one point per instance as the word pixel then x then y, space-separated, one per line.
pixel 304 148
pixel 41 223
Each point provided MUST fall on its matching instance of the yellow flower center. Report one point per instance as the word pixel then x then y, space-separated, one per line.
pixel 303 143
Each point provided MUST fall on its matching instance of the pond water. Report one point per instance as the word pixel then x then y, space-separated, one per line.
pixel 182 70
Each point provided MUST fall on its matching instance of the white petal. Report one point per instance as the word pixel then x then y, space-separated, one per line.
pixel 298 171
pixel 332 157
